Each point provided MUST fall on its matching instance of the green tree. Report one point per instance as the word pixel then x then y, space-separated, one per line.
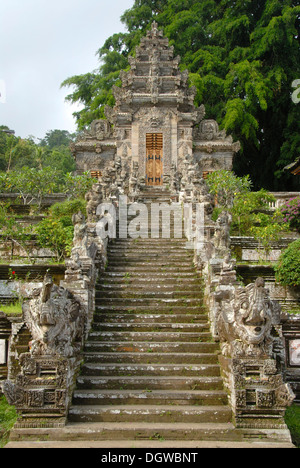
pixel 53 151
pixel 33 184
pixel 242 55
pixel 53 234
pixel 77 186
pixel 14 232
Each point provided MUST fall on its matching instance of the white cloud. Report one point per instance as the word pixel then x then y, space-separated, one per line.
pixel 45 43
pixel 2 92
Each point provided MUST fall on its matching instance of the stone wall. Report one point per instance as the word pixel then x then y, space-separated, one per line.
pixel 55 323
pixel 247 249
pixel 291 336
pixel 5 333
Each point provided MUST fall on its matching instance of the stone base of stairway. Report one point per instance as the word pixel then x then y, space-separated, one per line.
pixel 147 435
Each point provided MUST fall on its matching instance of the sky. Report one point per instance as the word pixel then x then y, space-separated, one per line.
pixel 43 42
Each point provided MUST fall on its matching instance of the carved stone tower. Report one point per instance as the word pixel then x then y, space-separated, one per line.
pixel 156 126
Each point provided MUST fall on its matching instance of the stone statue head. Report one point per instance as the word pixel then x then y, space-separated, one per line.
pixel 253 312
pixel 246 322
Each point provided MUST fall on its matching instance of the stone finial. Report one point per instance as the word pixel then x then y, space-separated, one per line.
pixel 245 326
pixel 55 321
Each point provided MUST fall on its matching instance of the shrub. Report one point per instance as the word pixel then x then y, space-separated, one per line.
pixel 288 268
pixel 56 231
pixel 291 213
pixel 8 417
pixel 292 419
pixel 52 234
pixel 225 185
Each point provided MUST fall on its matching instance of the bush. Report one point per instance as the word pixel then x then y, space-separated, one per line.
pixel 52 234
pixel 292 419
pixel 8 417
pixel 68 208
pixel 56 231
pixel 288 268
pixel 225 185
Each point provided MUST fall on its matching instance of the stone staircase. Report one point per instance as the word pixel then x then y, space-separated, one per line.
pixel 150 375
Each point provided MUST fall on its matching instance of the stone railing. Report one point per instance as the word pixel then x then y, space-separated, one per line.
pixel 282 198
pixel 291 335
pixel 41 381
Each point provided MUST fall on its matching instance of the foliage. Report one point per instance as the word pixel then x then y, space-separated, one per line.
pixel 225 185
pixel 269 230
pixel 14 232
pixel 12 309
pixel 8 417
pixel 55 235
pixel 52 152
pixel 77 186
pixel 249 210
pixel 33 184
pixel 287 271
pixel 292 419
pixel 67 208
pixel 291 213
pixel 57 138
pixel 243 57
pixel 56 231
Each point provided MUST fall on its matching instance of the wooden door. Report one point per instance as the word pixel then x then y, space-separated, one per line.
pixel 154 163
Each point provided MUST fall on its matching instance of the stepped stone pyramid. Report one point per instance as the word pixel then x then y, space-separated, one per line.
pixel 125 351
pixel 151 366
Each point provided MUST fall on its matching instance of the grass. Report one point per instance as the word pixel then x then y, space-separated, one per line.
pixel 12 309
pixel 292 419
pixel 8 417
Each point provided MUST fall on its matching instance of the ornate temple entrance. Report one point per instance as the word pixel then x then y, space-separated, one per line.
pixel 154 159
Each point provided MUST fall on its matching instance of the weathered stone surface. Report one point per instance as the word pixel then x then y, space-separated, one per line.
pixel 154 98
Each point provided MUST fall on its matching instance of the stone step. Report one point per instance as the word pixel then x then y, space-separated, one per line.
pixel 150 327
pixel 144 280
pixel 151 247
pixel 149 382
pixel 127 280
pixel 149 256
pixel 141 308
pixel 150 337
pixel 116 369
pixel 149 264
pixel 153 292
pixel 142 267
pixel 154 275
pixel 150 358
pixel 158 305
pixel 167 414
pixel 137 432
pixel 146 301
pixel 148 242
pixel 127 319
pixel 151 397
pixel 149 347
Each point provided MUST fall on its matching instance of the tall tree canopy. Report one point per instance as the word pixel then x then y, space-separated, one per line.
pixel 242 55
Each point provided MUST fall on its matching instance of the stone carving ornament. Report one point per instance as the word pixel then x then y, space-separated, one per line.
pixel 245 327
pixel 94 197
pixel 55 320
